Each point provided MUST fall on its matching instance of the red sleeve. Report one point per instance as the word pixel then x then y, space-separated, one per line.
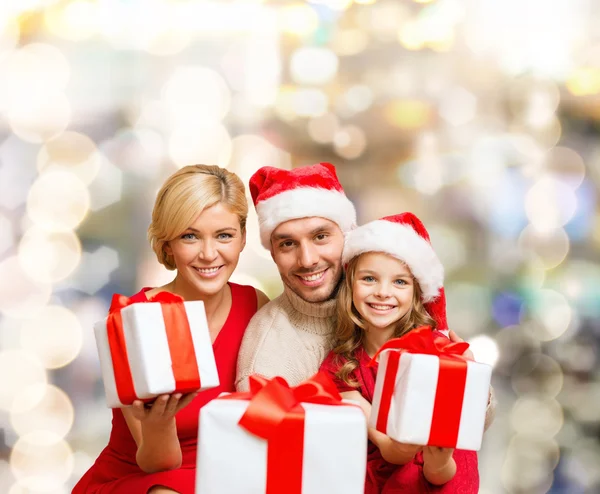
pixel 330 366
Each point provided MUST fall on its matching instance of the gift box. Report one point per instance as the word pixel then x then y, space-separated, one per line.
pixel 156 347
pixel 427 393
pixel 281 440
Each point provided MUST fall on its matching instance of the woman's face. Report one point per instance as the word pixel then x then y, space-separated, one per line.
pixel 206 254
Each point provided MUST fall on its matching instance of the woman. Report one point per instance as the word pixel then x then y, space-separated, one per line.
pixel 198 229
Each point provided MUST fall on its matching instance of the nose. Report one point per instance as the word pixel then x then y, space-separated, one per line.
pixel 382 290
pixel 308 255
pixel 208 251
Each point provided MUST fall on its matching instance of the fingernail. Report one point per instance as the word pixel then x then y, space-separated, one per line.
pixel 178 396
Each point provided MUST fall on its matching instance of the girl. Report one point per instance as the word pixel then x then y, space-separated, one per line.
pixel 393 284
pixel 198 230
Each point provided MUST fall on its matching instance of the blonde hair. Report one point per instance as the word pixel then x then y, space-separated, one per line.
pixel 185 195
pixel 351 326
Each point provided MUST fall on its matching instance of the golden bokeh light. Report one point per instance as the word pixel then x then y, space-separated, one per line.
pixel 41 461
pixel 49 256
pixel 203 143
pixel 52 412
pixel 550 204
pixel 20 295
pixel 322 129
pixel 584 81
pixel 536 416
pixel 24 370
pixel 298 18
pixel 73 152
pixel 409 114
pixel 485 349
pixel 313 65
pixel 534 373
pixel 54 335
pixel 551 314
pixel 350 142
pixel 551 247
pixel 196 94
pixel 58 201
pixel 250 152
pixel 40 118
pixel 75 21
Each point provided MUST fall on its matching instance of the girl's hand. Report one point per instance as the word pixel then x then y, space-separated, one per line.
pixel 457 339
pixel 404 449
pixel 393 451
pixel 438 465
pixel 162 410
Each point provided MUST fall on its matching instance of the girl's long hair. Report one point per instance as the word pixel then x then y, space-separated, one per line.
pixel 351 327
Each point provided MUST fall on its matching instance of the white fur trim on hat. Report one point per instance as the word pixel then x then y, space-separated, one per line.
pixel 304 202
pixel 404 243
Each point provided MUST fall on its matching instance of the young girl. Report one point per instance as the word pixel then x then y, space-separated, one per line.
pixel 394 283
pixel 198 230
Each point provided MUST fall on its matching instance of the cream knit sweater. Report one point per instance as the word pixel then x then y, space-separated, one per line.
pixel 288 337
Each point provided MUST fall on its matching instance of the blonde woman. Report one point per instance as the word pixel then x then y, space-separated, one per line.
pixel 198 230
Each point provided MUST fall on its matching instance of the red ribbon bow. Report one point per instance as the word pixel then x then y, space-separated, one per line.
pixel 452 377
pixel 181 348
pixel 275 413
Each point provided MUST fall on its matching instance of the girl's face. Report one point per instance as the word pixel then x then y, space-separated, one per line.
pixel 382 290
pixel 206 254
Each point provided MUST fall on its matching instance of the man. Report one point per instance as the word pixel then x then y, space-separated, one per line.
pixel 303 214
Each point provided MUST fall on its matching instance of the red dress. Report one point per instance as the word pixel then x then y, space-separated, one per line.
pixel 387 478
pixel 116 471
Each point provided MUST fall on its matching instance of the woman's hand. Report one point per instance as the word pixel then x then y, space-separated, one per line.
pixel 394 451
pixel 160 412
pixel 457 339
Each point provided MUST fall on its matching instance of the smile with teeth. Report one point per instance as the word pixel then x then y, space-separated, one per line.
pixel 314 276
pixel 208 270
pixel 382 307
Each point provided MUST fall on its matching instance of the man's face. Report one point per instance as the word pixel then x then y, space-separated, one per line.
pixel 308 254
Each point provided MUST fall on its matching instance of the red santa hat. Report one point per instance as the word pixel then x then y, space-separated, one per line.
pixel 405 237
pixel 283 195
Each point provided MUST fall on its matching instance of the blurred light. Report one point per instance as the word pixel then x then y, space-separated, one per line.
pixel 41 461
pixel 410 36
pixel 196 95
pixel 322 129
pixel 550 204
pixel 106 188
pixel 309 102
pixel 253 237
pixel 356 99
pixel 347 42
pixel 202 143
pixel 350 142
pixel 536 375
pixel 536 417
pixel 452 251
pixel 364 2
pixel 535 100
pixel 582 463
pixel 529 463
pixel 484 349
pixel 140 151
pixel 72 152
pixel 53 335
pixel 552 312
pixel 75 21
pixel 261 64
pixel 9 34
pixel 334 4
pixel 567 165
pixel 49 256
pixel 53 412
pixel 300 19
pixel 583 401
pixel 506 308
pixel 58 201
pixel 584 81
pixel 551 246
pixel 546 136
pixel 250 152
pixel 20 296
pixel 458 106
pixel 95 269
pixel 468 307
pixel 24 370
pixel 7 238
pixel 40 117
pixel 313 65
pixel 409 114
pixel 513 344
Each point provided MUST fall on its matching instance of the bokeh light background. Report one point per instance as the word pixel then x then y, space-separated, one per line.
pixel 480 116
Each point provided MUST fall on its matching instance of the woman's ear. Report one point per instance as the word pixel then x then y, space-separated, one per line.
pixel 243 240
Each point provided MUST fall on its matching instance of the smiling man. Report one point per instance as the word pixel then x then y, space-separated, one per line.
pixel 303 215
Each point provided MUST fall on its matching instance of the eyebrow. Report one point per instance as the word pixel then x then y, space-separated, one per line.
pixel 220 230
pixel 368 271
pixel 314 231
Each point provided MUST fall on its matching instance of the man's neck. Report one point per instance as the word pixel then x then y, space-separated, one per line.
pixel 312 309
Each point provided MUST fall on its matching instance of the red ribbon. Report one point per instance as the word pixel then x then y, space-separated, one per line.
pixel 179 336
pixel 275 413
pixel 447 407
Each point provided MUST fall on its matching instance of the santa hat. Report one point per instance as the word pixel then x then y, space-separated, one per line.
pixel 404 236
pixel 283 195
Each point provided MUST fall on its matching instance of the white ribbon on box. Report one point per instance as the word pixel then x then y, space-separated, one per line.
pixel 411 409
pixel 231 460
pixel 148 351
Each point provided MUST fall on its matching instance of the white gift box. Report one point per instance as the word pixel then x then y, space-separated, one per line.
pixel 411 410
pixel 148 351
pixel 232 460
